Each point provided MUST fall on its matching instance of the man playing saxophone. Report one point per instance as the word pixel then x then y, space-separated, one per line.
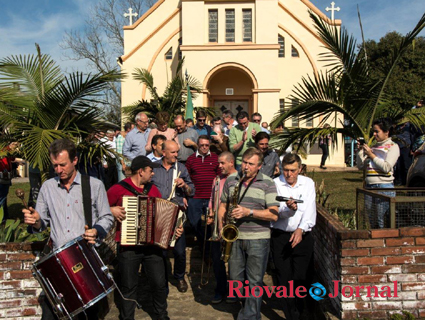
pixel 256 205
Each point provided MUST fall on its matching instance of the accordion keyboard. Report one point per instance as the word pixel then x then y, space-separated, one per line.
pixel 130 224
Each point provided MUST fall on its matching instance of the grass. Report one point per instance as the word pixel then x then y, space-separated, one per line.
pixel 341 186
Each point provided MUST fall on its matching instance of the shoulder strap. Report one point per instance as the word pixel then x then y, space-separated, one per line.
pixel 127 186
pixel 85 188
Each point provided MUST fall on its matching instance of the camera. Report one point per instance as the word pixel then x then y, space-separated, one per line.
pixel 361 140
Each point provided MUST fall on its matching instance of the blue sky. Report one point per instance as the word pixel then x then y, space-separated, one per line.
pixel 24 22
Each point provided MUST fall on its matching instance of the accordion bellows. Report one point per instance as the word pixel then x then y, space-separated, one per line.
pixel 149 221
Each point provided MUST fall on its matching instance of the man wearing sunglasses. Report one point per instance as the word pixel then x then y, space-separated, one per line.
pixel 201 126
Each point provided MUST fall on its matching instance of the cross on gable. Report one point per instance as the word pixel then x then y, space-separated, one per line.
pixel 333 9
pixel 130 14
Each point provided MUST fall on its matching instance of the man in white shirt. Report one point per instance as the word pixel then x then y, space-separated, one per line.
pixel 291 240
pixel 156 153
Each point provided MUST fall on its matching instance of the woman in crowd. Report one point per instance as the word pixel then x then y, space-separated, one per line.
pixel 379 161
pixel 161 119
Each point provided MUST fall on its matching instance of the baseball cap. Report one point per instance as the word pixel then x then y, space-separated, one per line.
pixel 142 162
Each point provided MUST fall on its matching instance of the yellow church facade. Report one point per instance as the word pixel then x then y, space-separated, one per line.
pixel 248 55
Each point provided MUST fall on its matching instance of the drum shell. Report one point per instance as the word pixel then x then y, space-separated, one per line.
pixel 77 276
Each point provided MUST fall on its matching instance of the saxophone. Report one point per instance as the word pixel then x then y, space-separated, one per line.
pixel 230 233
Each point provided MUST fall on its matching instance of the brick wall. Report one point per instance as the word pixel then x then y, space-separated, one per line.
pixel 19 290
pixel 371 258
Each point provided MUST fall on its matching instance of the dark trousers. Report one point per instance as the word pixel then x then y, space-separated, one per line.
pixel 111 175
pixel 129 260
pixel 197 208
pixel 179 253
pixel 325 153
pixel 291 264
pixel 48 313
pixel 213 248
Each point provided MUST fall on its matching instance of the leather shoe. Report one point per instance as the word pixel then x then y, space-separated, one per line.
pixel 182 285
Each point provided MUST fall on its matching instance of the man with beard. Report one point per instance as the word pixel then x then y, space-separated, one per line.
pixel 172 172
pixel 256 207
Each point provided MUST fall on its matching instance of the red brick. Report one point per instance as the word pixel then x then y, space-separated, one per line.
pixel 403 277
pixel 10 284
pixel 372 314
pixel 377 278
pixel 349 315
pixel 422 313
pixel 387 305
pixel 355 252
pixel 421 295
pixel 420 241
pixel 20 256
pixel 370 261
pixel 386 269
pixel 15 265
pixel 400 260
pixel 348 279
pixel 400 242
pixel 385 251
pixel 370 243
pixel 355 270
pixel 354 234
pixel 29 312
pixel 413 304
pixel 413 286
pixel 412 231
pixel 10 303
pixel 385 233
pixel 420 259
pixel 413 250
pixel 348 244
pixel 348 261
pixel 2 257
pixel 21 274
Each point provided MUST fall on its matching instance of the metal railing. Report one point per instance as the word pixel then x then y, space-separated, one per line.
pixel 390 208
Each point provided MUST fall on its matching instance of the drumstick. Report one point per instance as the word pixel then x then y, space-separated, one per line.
pixel 174 187
pixel 20 193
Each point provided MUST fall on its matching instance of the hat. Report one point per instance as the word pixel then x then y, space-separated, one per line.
pixel 142 162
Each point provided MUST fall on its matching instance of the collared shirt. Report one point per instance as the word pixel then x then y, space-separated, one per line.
pixel 206 130
pixel 202 171
pixel 163 180
pixel 305 216
pixel 260 195
pixel 135 143
pixel 235 136
pixel 64 212
pixel 269 163
pixel 184 151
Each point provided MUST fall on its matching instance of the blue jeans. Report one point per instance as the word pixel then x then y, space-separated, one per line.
pixel 248 261
pixel 197 208
pixel 382 207
pixel 4 190
pixel 121 175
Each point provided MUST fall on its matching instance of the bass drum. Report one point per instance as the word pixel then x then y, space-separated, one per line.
pixel 73 278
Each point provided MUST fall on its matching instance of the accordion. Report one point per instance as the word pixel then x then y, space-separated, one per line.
pixel 149 221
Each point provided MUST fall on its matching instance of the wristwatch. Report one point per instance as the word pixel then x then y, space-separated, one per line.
pixel 251 213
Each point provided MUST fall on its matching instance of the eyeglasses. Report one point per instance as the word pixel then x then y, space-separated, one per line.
pixel 204 145
pixel 256 120
pixel 200 120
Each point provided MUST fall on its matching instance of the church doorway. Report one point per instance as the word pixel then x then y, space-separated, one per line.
pixel 231 87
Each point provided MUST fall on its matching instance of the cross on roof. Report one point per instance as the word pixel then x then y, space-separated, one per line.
pixel 130 14
pixel 333 9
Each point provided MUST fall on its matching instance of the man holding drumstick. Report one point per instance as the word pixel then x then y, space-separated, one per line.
pixel 60 206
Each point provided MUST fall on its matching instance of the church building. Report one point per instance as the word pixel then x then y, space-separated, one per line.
pixel 248 55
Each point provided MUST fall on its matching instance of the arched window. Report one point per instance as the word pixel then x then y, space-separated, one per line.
pixel 281 41
pixel 294 52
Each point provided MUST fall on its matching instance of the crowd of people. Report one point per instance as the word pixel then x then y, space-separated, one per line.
pixel 218 174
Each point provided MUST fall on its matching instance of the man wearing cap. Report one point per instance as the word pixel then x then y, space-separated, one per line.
pixel 130 257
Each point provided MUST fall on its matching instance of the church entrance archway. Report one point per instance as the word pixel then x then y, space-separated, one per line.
pixel 231 87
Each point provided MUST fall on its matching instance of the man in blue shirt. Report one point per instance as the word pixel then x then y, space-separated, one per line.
pixel 201 126
pixel 136 139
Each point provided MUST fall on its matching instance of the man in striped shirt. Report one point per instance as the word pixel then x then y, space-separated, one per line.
pixel 203 168
pixel 256 206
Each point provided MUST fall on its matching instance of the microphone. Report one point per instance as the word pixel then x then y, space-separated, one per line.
pixel 284 199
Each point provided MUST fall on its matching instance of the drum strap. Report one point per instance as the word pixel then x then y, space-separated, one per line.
pixel 85 188
pixel 127 186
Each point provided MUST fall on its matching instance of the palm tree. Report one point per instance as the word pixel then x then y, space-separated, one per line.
pixel 39 104
pixel 346 88
pixel 173 99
